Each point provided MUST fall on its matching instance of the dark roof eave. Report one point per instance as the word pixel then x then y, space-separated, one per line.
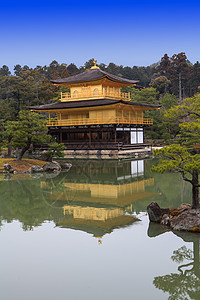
pixel 89 103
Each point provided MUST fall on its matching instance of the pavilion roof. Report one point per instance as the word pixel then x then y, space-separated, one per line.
pixel 89 103
pixel 92 75
pixel 97 228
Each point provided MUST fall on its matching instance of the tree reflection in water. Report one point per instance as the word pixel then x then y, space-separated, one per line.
pixel 185 284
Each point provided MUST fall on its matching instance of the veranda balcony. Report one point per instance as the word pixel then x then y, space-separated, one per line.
pixel 102 121
pixel 95 95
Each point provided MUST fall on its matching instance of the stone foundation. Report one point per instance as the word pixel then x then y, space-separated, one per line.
pixel 107 154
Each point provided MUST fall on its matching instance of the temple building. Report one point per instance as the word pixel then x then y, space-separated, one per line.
pixel 95 114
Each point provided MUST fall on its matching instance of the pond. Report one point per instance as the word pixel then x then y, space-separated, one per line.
pixel 85 234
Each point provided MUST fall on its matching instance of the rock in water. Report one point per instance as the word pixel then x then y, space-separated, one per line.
pixel 51 167
pixel 8 168
pixel 183 218
pixel 188 220
pixel 166 219
pixel 36 169
pixel 177 211
pixel 56 163
pixel 65 166
pixel 155 212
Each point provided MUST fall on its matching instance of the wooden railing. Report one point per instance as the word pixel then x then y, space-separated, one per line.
pixel 89 121
pixel 99 95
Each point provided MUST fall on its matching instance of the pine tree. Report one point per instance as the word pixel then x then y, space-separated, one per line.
pixel 28 129
pixel 184 157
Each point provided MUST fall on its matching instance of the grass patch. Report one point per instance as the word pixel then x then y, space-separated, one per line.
pixel 22 165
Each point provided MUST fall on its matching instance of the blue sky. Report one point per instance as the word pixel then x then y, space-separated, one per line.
pixel 125 32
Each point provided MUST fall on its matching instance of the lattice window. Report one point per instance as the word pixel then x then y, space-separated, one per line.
pixel 86 91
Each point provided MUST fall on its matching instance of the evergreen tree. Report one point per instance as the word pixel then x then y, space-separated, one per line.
pixel 64 73
pixel 161 84
pixel 184 158
pixel 17 69
pixel 195 79
pixel 4 71
pixel 180 73
pixel 165 66
pixel 88 64
pixel 72 69
pixel 29 128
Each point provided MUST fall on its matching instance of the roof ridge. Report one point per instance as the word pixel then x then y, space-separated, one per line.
pixel 91 75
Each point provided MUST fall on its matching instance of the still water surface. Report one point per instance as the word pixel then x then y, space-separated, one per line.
pixel 76 235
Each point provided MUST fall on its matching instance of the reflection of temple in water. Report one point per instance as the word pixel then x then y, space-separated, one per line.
pixel 98 196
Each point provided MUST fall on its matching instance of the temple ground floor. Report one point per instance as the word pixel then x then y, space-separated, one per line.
pixel 105 141
pixel 99 137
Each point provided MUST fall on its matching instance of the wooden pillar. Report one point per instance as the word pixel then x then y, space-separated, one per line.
pixel 60 137
pixel 49 118
pixel 115 136
pixel 115 170
pixel 90 137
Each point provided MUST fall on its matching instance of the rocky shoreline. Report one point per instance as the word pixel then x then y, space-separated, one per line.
pixel 183 218
pixel 48 167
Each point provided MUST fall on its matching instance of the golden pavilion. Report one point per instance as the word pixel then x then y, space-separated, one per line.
pixel 95 114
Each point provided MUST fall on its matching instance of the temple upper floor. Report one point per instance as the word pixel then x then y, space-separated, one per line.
pixel 94 84
pixel 94 92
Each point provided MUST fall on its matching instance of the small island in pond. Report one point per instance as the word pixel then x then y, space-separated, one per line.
pixel 183 218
